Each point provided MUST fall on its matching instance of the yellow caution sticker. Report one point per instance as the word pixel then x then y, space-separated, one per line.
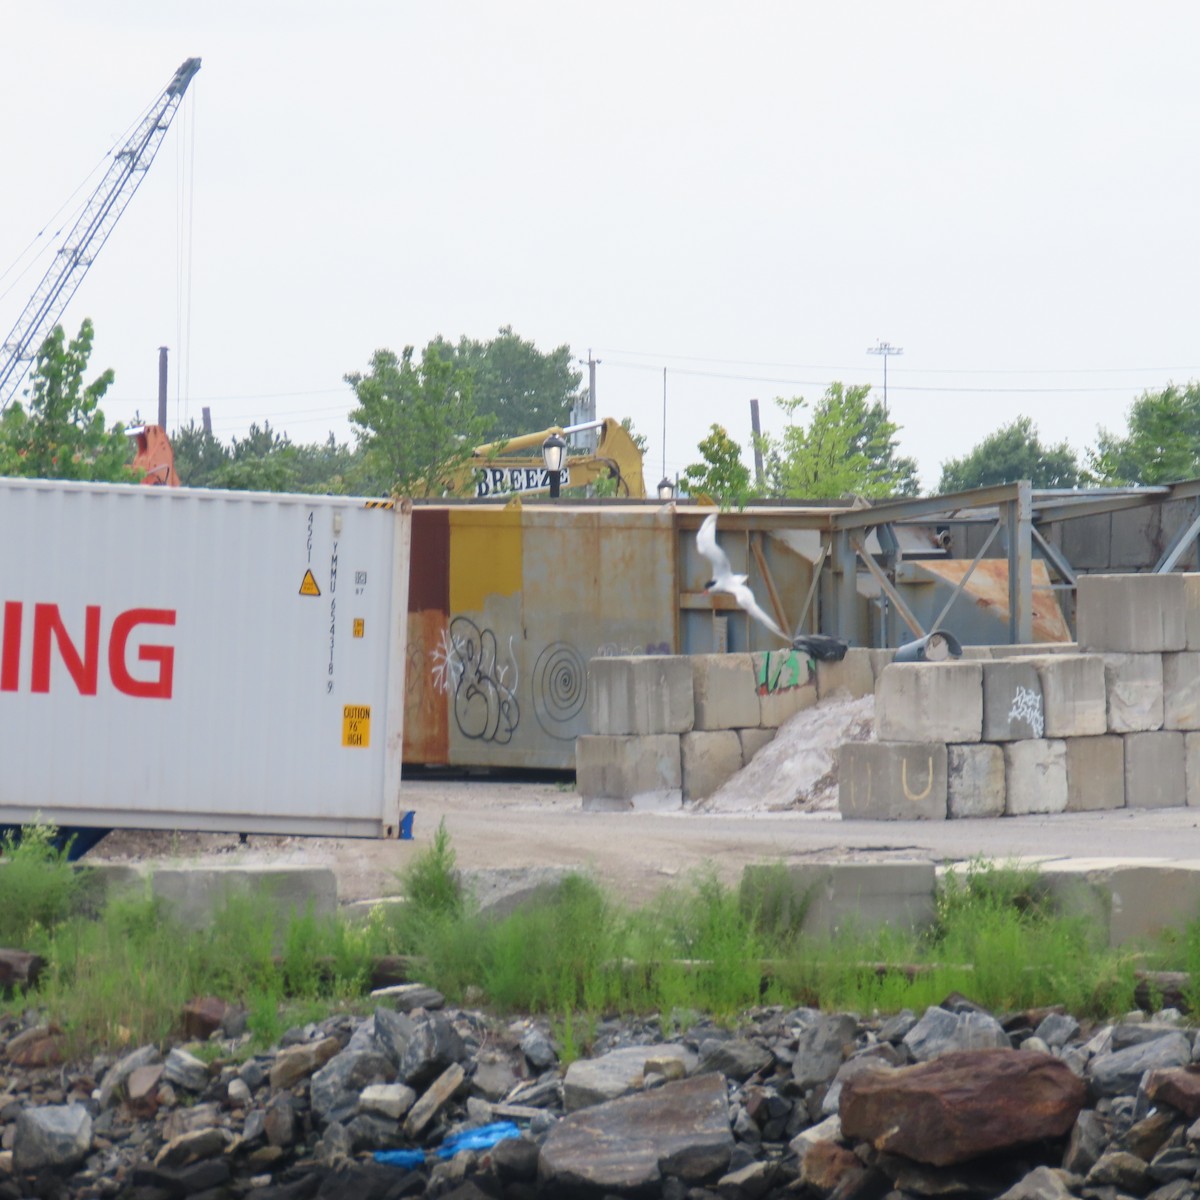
pixel 356 725
pixel 360 627
pixel 308 585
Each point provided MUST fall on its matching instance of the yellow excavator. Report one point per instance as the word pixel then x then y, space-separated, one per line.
pixel 508 468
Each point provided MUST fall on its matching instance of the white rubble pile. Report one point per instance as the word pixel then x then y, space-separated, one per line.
pixel 797 771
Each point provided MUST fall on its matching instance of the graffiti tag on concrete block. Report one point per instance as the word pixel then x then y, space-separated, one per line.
pixel 1027 707
pixel 782 671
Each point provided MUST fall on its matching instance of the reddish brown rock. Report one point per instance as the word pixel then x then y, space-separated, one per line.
pixel 828 1165
pixel 19 969
pixel 141 1090
pixel 1179 1087
pixel 202 1017
pixel 44 1046
pixel 962 1105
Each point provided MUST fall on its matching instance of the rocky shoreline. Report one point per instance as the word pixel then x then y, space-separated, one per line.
pixel 951 1103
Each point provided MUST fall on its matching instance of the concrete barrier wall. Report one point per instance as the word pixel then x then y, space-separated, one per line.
pixel 1114 724
pixel 669 730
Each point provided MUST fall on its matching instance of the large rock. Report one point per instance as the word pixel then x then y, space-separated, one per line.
pixel 336 1087
pixel 433 1046
pixel 821 1048
pixel 1121 1071
pixel 294 1063
pixel 1180 1088
pixel 56 1135
pixel 591 1081
pixel 631 1144
pixel 963 1105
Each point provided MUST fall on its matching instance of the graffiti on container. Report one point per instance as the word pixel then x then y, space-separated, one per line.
pixel 782 671
pixel 616 650
pixel 559 689
pixel 467 665
pixel 1027 707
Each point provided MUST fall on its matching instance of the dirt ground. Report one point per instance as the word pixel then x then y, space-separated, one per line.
pixel 496 824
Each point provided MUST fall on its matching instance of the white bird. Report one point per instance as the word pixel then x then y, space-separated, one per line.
pixel 724 580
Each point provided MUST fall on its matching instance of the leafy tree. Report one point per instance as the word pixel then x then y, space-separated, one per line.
pixel 516 388
pixel 198 455
pixel 62 433
pixel 1012 452
pixel 416 421
pixel 1162 443
pixel 847 448
pixel 721 475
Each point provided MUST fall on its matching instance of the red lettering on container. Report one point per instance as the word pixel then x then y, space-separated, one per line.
pixel 84 670
pixel 158 688
pixel 83 666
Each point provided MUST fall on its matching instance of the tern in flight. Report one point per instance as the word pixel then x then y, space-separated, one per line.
pixel 724 580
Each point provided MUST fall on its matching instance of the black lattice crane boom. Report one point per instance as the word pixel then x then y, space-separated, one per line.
pixel 88 234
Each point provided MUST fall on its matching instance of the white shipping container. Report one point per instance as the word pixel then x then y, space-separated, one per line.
pixel 192 659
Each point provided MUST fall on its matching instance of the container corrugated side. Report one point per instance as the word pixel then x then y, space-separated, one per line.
pixel 190 659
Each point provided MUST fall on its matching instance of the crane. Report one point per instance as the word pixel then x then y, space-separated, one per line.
pixel 88 234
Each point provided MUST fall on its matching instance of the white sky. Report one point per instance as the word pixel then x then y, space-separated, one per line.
pixel 747 194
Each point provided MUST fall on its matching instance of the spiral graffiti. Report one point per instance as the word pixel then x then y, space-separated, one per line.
pixel 559 689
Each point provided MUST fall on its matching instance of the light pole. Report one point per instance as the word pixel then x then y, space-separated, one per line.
pixel 553 449
pixel 886 349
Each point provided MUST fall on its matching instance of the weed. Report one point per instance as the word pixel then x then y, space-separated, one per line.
pixel 38 886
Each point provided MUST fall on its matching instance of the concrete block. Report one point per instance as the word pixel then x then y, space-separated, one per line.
pixel 1191 609
pixel 1074 696
pixel 647 694
pixel 709 758
pixel 1136 614
pixel 1134 683
pixel 975 781
pixel 1095 773
pixel 787 684
pixel 983 653
pixel 892 781
pixel 1012 701
pixel 753 740
pixel 1034 649
pixel 1191 769
pixel 637 771
pixel 1181 690
pixel 193 896
pixel 723 691
pixel 825 899
pixel 1154 770
pixel 1035 774
pixel 930 702
pixel 879 660
pixel 852 676
pixel 1127 901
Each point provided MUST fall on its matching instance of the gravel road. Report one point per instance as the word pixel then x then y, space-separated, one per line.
pixel 507 824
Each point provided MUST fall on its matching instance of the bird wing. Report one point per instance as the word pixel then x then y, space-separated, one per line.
pixel 706 543
pixel 746 601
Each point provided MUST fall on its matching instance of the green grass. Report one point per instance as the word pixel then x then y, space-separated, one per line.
pixel 120 973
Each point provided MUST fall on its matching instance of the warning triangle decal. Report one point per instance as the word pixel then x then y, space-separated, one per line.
pixel 308 585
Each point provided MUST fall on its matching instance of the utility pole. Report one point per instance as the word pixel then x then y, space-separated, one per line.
pixel 162 388
pixel 756 431
pixel 886 349
pixel 588 440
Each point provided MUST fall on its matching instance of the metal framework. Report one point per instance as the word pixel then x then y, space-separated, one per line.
pixel 88 234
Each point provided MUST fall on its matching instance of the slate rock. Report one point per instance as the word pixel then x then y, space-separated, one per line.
pixel 1134 1033
pixel 186 1071
pixel 941 1032
pixel 1175 1162
pixel 591 1081
pixel 435 1098
pixel 538 1049
pixel 632 1143
pixel 1042 1183
pixel 1122 1170
pixel 120 1071
pixel 192 1147
pixel 1057 1029
pixel 962 1104
pixel 279 1120
pixel 294 1063
pixel 821 1047
pixel 895 1028
pixel 515 1160
pixel 735 1058
pixel 53 1135
pixel 1120 1071
pixel 334 1091
pixel 1178 1087
pixel 393 1030
pixel 433 1046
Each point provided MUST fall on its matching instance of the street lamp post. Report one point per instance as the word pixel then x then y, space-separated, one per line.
pixel 666 489
pixel 553 449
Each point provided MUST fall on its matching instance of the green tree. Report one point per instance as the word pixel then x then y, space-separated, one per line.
pixel 847 448
pixel 416 421
pixel 721 475
pixel 516 388
pixel 198 455
pixel 1011 453
pixel 62 433
pixel 1161 445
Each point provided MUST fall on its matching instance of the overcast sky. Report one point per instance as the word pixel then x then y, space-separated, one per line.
pixel 748 195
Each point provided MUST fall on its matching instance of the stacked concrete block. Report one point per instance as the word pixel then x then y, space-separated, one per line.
pixel 785 682
pixel 1191 769
pixel 1095 773
pixel 1035 776
pixel 893 781
pixel 852 676
pixel 1074 694
pixel 975 780
pixel 724 692
pixel 930 702
pixel 1133 614
pixel 1134 686
pixel 1012 701
pixel 629 771
pixel 708 758
pixel 752 741
pixel 1181 690
pixel 641 695
pixel 1155 770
